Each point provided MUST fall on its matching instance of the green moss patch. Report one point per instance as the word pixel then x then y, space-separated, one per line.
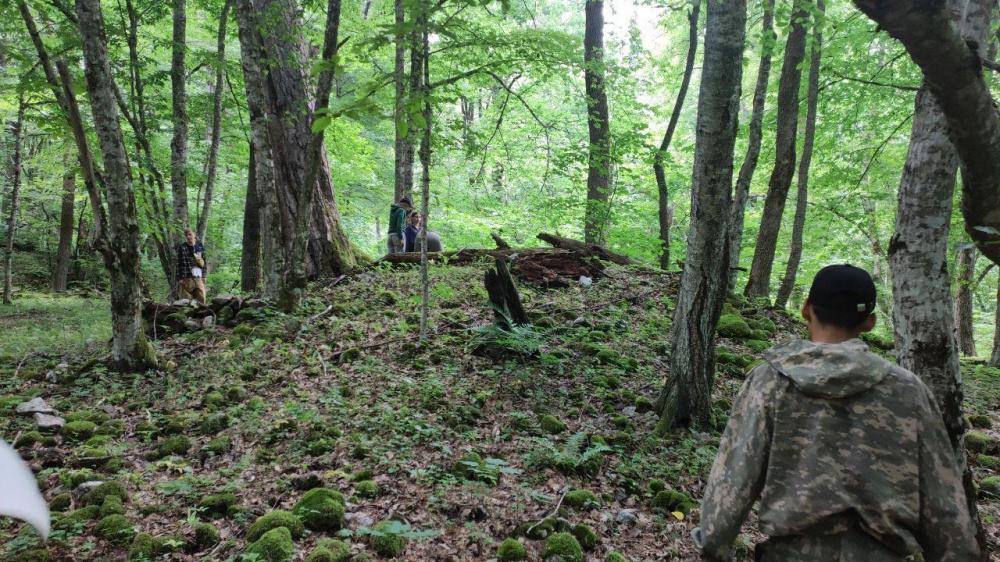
pixel 273 520
pixel 563 547
pixel 321 509
pixel 273 546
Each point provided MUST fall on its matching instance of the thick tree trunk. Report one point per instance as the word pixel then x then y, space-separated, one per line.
pixel 665 211
pixel 995 356
pixel 403 152
pixel 258 100
pixel 952 71
pixel 17 131
pixel 290 118
pixel 178 144
pixel 599 152
pixel 802 196
pixel 759 284
pixel 686 398
pixel 130 350
pixel 963 301
pixel 66 217
pixel 754 136
pixel 211 167
pixel 250 258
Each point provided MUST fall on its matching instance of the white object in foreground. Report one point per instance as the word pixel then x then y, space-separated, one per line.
pixel 19 495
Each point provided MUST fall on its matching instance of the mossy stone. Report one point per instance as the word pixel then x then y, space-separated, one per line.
pixel 217 446
pixel 387 544
pixel 980 421
pixel 564 546
pixel 586 536
pixel 321 509
pixel 62 502
pixel 28 439
pixel 116 529
pixel 615 557
pixel 511 550
pixel 218 505
pixel 733 326
pixel 366 489
pixel 214 399
pixel 77 518
pixel 363 474
pixel 581 499
pixel 74 478
pixel 97 495
pixel 643 405
pixel 550 424
pixel 112 505
pixel 656 486
pixel 32 555
pixel 79 430
pixel 273 546
pixel 144 548
pixel 759 335
pixel 621 422
pixel 112 428
pixel 979 442
pixel 214 423
pixel 989 462
pixel 206 536
pixel 273 520
pixel 672 500
pixel 98 441
pixel 990 486
pixel 330 550
pixel 758 346
pixel 176 445
pixel 764 324
pixel 92 416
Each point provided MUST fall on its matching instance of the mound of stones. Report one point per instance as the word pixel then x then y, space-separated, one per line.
pixel 161 320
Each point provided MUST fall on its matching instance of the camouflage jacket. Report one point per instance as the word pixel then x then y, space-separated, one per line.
pixel 830 436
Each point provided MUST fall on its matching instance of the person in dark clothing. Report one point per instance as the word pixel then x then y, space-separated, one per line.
pixel 191 268
pixel 397 222
pixel 411 234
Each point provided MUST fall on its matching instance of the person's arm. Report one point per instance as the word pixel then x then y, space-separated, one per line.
pixel 738 473
pixel 947 532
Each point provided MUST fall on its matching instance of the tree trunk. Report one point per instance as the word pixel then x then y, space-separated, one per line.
pixel 130 350
pixel 599 152
pixel 415 86
pixel 17 131
pixel 802 196
pixel 425 164
pixel 66 216
pixel 258 100
pixel 178 145
pixel 995 356
pixel 686 398
pixel 290 118
pixel 963 301
pixel 250 258
pixel 754 136
pixel 666 213
pixel 211 167
pixel 759 284
pixel 952 71
pixel 403 151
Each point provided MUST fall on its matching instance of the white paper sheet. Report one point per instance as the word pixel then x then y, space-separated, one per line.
pixel 19 494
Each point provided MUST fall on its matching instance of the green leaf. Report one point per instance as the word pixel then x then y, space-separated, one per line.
pixel 321 123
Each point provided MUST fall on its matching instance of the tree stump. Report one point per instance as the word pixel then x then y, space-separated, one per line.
pixel 503 294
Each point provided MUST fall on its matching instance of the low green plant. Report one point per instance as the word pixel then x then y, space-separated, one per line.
pixel 579 455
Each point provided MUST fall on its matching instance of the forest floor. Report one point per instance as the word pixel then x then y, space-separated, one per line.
pixel 471 439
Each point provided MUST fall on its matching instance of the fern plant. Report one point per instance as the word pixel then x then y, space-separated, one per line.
pixel 580 454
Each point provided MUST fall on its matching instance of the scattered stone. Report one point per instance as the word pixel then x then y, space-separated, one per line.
pixel 990 462
pixel 273 520
pixel 980 421
pixel 177 445
pixel 192 325
pixel 144 547
pixel 273 546
pixel 79 430
pixel 626 517
pixel 360 519
pixel 321 509
pixel 33 406
pixel 511 550
pixel 563 547
pixel 208 322
pixel 733 326
pixel 112 506
pixel 28 439
pixel 77 519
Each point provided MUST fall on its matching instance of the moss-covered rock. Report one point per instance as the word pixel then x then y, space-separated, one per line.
pixel 321 509
pixel 214 423
pixel 98 441
pixel 273 546
pixel 77 519
pixel 61 502
pixel 614 556
pixel 97 495
pixel 672 500
pixel 622 422
pixel 217 505
pixel 28 439
pixel 511 550
pixel 551 424
pixel 643 405
pixel 111 428
pixel 586 536
pixel 273 520
pixel 330 550
pixel 386 543
pixel 764 324
pixel 980 421
pixel 656 486
pixel 176 445
pixel 979 442
pixel 144 548
pixel 733 326
pixel 79 430
pixel 214 399
pixel 93 416
pixel 989 462
pixel 32 555
pixel 217 446
pixel 206 536
pixel 581 499
pixel 112 505
pixel 564 546
pixel 762 335
pixel 757 346
pixel 116 529
pixel 990 486
pixel 366 489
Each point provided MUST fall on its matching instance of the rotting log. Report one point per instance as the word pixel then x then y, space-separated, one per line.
pixel 594 249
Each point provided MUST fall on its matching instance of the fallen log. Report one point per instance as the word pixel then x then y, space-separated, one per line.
pixel 593 249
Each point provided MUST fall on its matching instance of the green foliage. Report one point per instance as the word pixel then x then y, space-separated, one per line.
pixel 473 467
pixel 330 550
pixel 672 500
pixel 321 509
pixel 273 546
pixel 388 538
pixel 511 550
pixel 579 455
pixel 79 430
pixel 614 556
pixel 205 535
pixel 273 520
pixel 366 489
pixel 551 424
pixel 524 341
pixel 564 546
pixel 116 529
pixel 66 323
pixel 979 442
pixel 586 536
pixel 97 495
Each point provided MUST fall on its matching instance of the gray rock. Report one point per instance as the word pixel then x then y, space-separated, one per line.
pixel 208 322
pixel 626 517
pixel 220 300
pixel 85 487
pixel 360 518
pixel 192 325
pixel 48 422
pixel 35 405
pixel 182 302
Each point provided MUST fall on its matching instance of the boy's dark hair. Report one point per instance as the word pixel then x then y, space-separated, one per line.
pixel 406 201
pixel 842 296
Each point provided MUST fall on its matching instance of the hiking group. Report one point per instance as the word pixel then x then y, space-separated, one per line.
pixel 405 226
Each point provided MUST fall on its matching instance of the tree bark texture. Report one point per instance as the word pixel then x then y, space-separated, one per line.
pixel 802 192
pixel 686 398
pixel 754 137
pixel 290 118
pixel 250 258
pixel 212 165
pixel 953 73
pixel 786 128
pixel 130 350
pixel 17 132
pixel 67 214
pixel 995 356
pixel 178 144
pixel 665 211
pixel 599 151
pixel 963 301
pixel 425 165
pixel 403 151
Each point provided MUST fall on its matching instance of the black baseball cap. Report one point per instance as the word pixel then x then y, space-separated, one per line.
pixel 406 200
pixel 843 292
